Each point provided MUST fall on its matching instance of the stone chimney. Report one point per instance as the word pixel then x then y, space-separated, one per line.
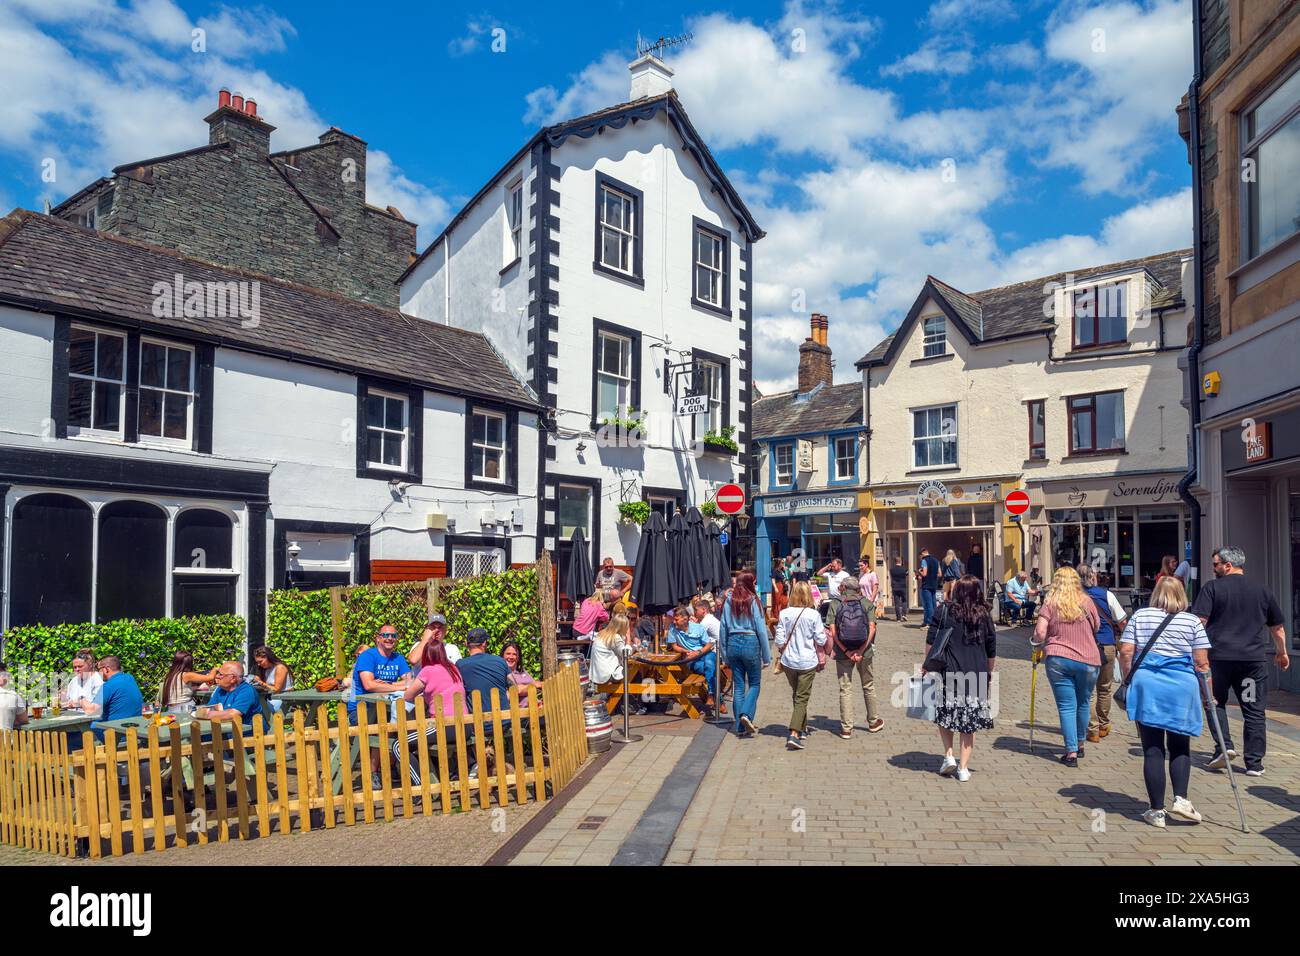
pixel 651 76
pixel 815 356
pixel 235 121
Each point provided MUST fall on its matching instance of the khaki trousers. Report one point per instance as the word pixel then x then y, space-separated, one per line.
pixel 801 684
pixel 1105 691
pixel 844 670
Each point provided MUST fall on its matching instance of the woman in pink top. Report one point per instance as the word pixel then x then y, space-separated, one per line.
pixel 591 616
pixel 438 677
pixel 1067 633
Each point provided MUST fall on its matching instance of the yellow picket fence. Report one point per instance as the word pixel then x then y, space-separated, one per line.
pixel 157 789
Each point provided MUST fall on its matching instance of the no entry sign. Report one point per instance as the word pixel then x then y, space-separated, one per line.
pixel 1016 503
pixel 731 499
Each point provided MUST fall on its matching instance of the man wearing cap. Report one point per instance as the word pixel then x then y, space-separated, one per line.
pixel 435 630
pixel 482 671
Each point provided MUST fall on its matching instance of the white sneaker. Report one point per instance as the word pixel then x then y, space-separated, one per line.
pixel 1155 817
pixel 1183 810
pixel 963 776
pixel 949 767
pixel 1255 772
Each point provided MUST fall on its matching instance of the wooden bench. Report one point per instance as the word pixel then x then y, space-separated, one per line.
pixel 672 681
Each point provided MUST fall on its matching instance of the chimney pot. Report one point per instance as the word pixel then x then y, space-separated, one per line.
pixel 250 107
pixel 223 98
pixel 237 102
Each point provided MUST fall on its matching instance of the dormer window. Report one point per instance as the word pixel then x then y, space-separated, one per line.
pixel 936 336
pixel 1100 315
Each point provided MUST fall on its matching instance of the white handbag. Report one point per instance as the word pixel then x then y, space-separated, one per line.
pixel 923 696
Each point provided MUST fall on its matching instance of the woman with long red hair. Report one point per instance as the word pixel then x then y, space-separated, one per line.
pixel 743 645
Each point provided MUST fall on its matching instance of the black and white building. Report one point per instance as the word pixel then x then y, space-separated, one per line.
pixel 179 438
pixel 610 262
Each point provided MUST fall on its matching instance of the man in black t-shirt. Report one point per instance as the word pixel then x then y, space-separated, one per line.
pixel 1244 624
pixel 927 576
pixel 898 588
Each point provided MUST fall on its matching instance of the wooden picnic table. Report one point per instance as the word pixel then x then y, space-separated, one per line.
pixel 66 723
pixel 668 679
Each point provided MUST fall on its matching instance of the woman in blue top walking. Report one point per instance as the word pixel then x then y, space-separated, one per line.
pixel 1164 696
pixel 743 645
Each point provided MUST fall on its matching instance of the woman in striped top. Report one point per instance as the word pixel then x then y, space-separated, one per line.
pixel 1164 697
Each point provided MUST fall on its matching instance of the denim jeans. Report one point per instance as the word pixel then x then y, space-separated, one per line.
pixel 746 660
pixel 927 604
pixel 1072 682
pixel 708 666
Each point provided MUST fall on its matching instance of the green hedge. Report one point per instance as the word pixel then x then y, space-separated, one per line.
pixel 145 647
pixel 298 624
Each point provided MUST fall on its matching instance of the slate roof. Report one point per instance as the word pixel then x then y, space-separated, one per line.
pixel 615 117
pixel 1012 310
pixel 57 266
pixel 821 410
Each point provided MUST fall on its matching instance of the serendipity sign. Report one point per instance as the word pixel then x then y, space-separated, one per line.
pixel 808 505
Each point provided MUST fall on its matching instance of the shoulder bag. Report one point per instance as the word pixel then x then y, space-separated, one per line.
pixel 1121 692
pixel 937 659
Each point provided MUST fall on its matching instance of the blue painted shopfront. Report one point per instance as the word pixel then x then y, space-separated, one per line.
pixel 817 527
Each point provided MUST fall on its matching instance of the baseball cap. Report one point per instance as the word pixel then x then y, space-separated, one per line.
pixel 436 619
pixel 477 635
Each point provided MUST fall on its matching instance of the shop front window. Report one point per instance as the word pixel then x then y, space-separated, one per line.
pixel 1157 536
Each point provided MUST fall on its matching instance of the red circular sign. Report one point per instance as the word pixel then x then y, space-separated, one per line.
pixel 1017 502
pixel 730 499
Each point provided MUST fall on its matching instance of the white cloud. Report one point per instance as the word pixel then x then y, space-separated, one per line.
pixel 237 33
pixel 948 13
pixel 936 55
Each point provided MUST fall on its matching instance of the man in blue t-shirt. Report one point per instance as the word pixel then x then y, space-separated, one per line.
pixel 378 670
pixel 482 671
pixel 690 638
pixel 118 698
pixel 928 577
pixel 233 699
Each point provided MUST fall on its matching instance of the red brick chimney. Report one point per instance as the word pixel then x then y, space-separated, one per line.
pixel 815 356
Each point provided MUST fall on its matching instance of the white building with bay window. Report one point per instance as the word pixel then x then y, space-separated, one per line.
pixel 609 262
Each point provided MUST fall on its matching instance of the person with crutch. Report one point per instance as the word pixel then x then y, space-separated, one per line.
pixel 1162 650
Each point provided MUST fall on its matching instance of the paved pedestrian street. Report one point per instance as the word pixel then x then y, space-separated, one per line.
pixel 878 799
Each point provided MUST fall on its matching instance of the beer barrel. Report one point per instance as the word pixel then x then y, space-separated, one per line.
pixel 600 726
pixel 576 657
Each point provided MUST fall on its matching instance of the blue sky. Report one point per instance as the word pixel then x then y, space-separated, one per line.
pixel 983 141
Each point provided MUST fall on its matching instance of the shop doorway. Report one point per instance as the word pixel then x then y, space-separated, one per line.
pixel 959 540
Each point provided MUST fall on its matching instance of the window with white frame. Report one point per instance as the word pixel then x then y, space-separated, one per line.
pixel 783 463
pixel 166 391
pixel 846 458
pixel 613 375
pixel 386 430
pixel 934 436
pixel 665 505
pixel 617 229
pixel 936 336
pixel 709 267
pixel 1271 153
pixel 471 562
pixel 710 381
pixel 96 380
pixel 515 222
pixel 489 446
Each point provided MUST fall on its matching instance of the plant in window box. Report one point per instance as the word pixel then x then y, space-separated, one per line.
pixel 634 512
pixel 630 427
pixel 710 509
pixel 722 440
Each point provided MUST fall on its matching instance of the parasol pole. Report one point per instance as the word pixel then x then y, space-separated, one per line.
pixel 626 737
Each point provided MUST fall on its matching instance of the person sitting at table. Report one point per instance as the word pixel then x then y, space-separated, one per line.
pixel 691 639
pixel 1021 597
pixel 270 675
pixel 435 630
pixel 176 693
pixel 607 650
pixel 438 677
pixel 513 655
pixel 233 699
pixel 482 671
pixel 13 709
pixel 378 670
pixel 79 693
pixel 119 696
